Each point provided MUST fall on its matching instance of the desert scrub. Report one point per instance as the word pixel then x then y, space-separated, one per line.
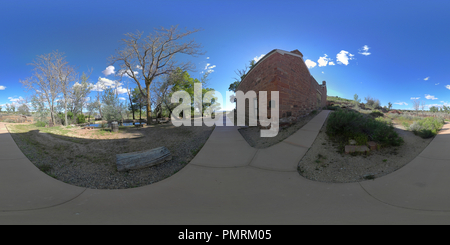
pixel 376 113
pixel 344 125
pixel 427 127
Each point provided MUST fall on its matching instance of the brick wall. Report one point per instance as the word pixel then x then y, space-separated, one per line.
pixel 286 72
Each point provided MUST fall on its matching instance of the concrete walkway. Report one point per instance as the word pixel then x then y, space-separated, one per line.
pixel 229 182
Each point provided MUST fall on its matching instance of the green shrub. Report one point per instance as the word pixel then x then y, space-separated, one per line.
pixel 331 107
pixel 40 124
pixel 344 125
pixel 361 139
pixel 376 113
pixel 81 118
pixel 427 127
pixel 62 117
pixel 405 124
pixel 388 121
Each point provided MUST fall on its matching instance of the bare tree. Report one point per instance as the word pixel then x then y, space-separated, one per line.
pixel 145 58
pixel 50 71
pixel 422 106
pixel 65 77
pixel 416 105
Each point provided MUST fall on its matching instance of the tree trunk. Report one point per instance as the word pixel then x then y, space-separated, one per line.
pixel 142 159
pixel 65 112
pixel 131 106
pixel 149 107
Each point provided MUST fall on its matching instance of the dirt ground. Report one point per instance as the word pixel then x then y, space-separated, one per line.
pixel 87 158
pixel 324 163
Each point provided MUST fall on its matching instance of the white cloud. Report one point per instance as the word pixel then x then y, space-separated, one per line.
pixel 364 50
pixel 122 98
pixel 430 97
pixel 256 59
pixel 436 84
pixel 401 103
pixel 207 58
pixel 415 98
pixel 426 79
pixel 107 83
pixel 12 99
pixel 323 61
pixel 108 71
pixel 343 57
pixel 331 63
pixel 121 90
pixel 209 67
pixel 310 64
pixel 447 86
pixel 2 87
pixel 16 101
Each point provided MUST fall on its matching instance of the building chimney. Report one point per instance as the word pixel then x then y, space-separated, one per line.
pixel 297 52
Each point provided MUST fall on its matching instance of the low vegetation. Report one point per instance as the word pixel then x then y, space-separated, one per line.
pixel 423 124
pixel 344 125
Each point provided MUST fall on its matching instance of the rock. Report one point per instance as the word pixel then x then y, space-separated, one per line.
pixel 142 159
pixel 356 148
pixel 395 111
pixel 352 142
pixel 372 145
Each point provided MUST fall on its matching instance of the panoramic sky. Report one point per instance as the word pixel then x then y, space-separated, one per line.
pixel 393 51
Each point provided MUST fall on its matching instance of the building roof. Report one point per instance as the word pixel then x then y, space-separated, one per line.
pixel 280 51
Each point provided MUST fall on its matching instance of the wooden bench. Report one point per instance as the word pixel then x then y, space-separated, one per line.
pixel 88 127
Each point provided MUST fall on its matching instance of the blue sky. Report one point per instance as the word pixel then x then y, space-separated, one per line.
pixel 390 50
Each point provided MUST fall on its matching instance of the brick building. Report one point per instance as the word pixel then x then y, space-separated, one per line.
pixel 286 72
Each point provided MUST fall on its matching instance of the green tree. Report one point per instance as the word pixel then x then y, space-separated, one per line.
pixel 23 109
pixel 41 111
pixel 186 82
pixel 140 102
pixel 356 100
pixel 8 108
pixel 434 109
pixel 78 95
pixel 113 109
pixel 389 105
